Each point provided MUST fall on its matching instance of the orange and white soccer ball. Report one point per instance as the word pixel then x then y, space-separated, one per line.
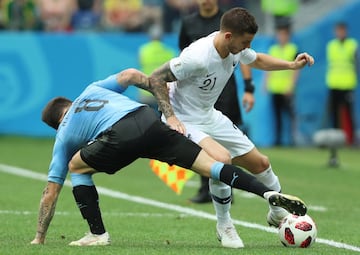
pixel 297 231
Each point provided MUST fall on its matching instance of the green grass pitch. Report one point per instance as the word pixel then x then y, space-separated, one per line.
pixel 143 216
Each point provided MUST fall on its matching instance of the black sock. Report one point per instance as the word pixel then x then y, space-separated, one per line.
pixel 239 179
pixel 87 199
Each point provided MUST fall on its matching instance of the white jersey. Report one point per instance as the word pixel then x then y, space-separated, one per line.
pixel 201 76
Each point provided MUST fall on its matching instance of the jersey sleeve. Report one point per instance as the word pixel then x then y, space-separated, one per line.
pixel 189 63
pixel 111 84
pixel 247 56
pixel 59 164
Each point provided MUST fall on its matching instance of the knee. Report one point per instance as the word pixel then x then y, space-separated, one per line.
pixel 75 164
pixel 264 162
pixel 223 157
pixel 259 164
pixel 71 167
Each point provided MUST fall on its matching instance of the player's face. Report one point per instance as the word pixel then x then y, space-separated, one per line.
pixel 238 43
pixel 340 32
pixel 207 5
pixel 283 36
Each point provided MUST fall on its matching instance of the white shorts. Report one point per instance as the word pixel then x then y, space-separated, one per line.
pixel 222 130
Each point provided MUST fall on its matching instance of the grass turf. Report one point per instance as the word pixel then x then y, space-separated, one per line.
pixel 136 228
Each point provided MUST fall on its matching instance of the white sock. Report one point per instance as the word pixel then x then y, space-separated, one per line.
pixel 269 178
pixel 222 191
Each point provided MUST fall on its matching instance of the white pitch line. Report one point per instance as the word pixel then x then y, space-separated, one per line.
pixel 184 210
pixel 317 208
pixel 114 214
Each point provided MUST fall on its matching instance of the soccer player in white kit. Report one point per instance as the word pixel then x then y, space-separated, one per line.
pixel 196 78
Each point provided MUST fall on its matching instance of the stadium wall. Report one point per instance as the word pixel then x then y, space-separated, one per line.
pixel 34 67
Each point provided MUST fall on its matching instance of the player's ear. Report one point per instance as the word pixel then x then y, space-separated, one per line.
pixel 228 35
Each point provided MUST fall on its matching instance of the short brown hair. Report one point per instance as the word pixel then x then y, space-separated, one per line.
pixel 238 21
pixel 54 110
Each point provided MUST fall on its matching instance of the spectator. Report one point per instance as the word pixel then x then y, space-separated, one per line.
pixel 152 13
pixel 2 14
pixel 56 15
pixel 87 17
pixel 19 15
pixel 341 79
pixel 173 10
pixel 123 15
pixel 281 84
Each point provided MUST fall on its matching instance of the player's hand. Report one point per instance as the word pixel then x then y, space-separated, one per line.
pixel 303 59
pixel 248 101
pixel 176 124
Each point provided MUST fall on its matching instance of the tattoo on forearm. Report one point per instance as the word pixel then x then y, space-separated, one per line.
pixel 158 86
pixel 143 83
pixel 46 212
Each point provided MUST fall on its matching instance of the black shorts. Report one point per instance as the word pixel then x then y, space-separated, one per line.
pixel 140 134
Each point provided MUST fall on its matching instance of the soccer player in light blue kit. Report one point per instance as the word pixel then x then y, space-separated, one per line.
pixel 104 131
pixel 71 136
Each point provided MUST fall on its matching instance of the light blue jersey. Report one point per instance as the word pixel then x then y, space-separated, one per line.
pixel 98 107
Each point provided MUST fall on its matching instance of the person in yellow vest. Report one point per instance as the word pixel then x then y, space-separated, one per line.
pixel 152 55
pixel 281 84
pixel 281 10
pixel 341 79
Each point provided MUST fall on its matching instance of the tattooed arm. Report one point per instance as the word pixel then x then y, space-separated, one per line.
pixel 132 76
pixel 158 83
pixel 46 210
pixel 158 86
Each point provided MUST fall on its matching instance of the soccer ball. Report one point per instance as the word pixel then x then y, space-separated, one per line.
pixel 297 231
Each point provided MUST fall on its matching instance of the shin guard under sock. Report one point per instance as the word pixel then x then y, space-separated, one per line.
pixel 237 178
pixel 87 199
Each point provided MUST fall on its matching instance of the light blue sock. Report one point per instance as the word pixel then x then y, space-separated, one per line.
pixel 215 170
pixel 81 179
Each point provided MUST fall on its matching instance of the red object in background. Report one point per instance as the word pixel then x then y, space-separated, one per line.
pixel 347 125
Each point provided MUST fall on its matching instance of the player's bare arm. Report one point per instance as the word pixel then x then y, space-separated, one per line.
pixel 158 83
pixel 46 211
pixel 132 76
pixel 269 63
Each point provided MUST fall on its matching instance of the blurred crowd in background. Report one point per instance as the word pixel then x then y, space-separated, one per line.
pixel 97 15
pixel 122 15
